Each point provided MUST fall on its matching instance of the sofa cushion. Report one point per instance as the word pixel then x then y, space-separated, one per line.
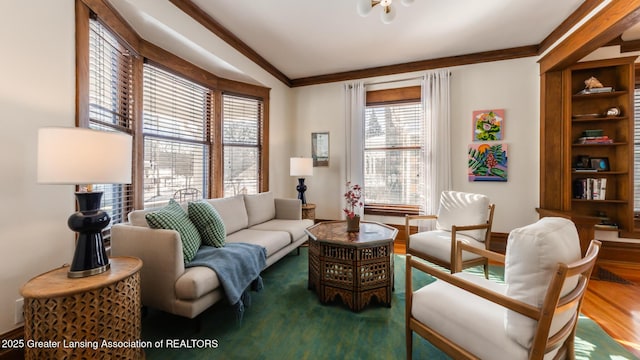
pixel 460 208
pixel 208 222
pixel 196 282
pixel 260 207
pixel 273 241
pixel 295 228
pixel 174 217
pixel 138 217
pixel 532 257
pixel 232 211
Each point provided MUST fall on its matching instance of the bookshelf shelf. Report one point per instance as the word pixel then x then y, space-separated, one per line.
pixel 583 115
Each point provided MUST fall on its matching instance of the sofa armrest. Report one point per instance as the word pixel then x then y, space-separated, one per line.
pixel 288 209
pixel 162 261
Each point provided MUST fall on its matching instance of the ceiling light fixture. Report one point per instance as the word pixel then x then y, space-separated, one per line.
pixel 388 13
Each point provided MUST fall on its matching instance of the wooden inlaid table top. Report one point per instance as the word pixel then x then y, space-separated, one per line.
pixel 371 233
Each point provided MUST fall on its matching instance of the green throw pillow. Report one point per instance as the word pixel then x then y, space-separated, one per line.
pixel 174 217
pixel 208 222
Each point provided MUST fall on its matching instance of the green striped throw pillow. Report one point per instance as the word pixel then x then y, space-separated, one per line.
pixel 208 222
pixel 173 217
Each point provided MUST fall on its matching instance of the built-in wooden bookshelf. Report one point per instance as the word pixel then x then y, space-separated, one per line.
pixel 587 138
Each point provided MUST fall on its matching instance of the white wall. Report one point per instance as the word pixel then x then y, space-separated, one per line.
pixel 512 85
pixel 37 89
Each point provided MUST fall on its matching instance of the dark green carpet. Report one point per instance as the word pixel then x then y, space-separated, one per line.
pixel 286 321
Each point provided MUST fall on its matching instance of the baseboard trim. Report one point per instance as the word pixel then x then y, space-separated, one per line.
pixel 620 251
pixel 12 354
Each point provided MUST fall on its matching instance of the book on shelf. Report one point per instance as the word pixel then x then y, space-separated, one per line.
pixel 590 189
pixel 604 89
pixel 604 139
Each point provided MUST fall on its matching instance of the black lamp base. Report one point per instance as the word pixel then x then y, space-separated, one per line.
pixel 301 189
pixel 90 256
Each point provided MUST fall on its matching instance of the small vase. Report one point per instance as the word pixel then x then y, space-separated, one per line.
pixel 353 224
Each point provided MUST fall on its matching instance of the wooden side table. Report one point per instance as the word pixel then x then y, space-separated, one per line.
pixel 353 266
pixel 309 211
pixel 95 317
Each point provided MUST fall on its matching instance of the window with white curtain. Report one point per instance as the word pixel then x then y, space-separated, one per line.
pixel 242 144
pixel 393 151
pixel 177 137
pixel 110 106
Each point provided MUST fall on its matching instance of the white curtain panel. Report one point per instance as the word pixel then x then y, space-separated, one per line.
pixel 355 99
pixel 437 153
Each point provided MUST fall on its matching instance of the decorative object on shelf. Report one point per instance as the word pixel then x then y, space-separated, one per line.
pixel 320 148
pixel 353 198
pixel 488 125
pixel 613 111
pixel 600 164
pixel 487 162
pixel 592 83
pixel 364 7
pixel 301 167
pixel 79 156
pixel 582 162
pixel 593 86
pixel 580 116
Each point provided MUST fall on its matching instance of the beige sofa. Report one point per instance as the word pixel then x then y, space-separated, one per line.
pixel 167 285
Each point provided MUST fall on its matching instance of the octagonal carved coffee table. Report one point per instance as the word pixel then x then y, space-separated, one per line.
pixel 355 267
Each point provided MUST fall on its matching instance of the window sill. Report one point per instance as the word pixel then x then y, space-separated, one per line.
pixel 391 210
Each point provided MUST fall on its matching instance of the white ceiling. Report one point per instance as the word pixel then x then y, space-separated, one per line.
pixel 305 38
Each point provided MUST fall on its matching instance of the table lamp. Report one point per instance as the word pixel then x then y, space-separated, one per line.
pixel 301 167
pixel 79 156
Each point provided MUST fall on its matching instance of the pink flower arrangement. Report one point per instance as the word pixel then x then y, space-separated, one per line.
pixel 353 196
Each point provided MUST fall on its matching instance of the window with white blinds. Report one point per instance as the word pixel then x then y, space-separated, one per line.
pixel 242 144
pixel 393 152
pixel 110 106
pixel 177 137
pixel 636 153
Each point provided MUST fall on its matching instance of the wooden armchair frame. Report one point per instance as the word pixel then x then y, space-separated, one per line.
pixel 543 342
pixel 454 229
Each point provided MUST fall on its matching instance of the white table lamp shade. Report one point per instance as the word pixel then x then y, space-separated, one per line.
pixel 83 156
pixel 300 166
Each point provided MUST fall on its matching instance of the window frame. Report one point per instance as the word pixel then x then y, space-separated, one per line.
pixel 143 50
pixel 259 145
pixel 394 96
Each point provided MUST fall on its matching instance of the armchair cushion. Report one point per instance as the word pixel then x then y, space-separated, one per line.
pixel 532 257
pixel 437 243
pixel 174 217
pixel 460 208
pixel 208 222
pixel 465 318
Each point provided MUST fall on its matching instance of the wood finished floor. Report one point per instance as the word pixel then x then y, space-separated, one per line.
pixel 613 301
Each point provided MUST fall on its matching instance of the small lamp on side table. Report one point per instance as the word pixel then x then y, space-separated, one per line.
pixel 301 167
pixel 79 156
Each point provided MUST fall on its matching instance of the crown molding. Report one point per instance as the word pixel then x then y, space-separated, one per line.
pixel 200 16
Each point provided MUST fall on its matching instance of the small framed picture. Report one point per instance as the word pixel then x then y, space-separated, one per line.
pixel 320 148
pixel 600 164
pixel 583 162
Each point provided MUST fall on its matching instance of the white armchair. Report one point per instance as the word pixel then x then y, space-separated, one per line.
pixel 533 315
pixel 465 217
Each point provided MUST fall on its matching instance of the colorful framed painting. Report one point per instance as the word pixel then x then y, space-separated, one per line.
pixel 488 125
pixel 488 162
